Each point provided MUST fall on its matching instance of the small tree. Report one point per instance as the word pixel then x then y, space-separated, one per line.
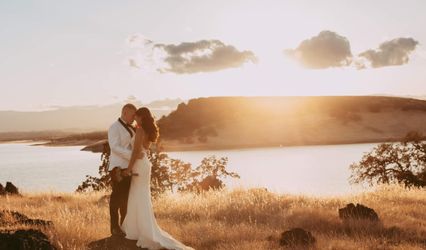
pixel 209 175
pixel 161 180
pixel 403 162
pixel 167 174
pixel 182 174
pixel 103 181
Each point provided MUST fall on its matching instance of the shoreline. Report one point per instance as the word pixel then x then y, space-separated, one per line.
pixel 17 142
pixel 181 148
pixel 176 147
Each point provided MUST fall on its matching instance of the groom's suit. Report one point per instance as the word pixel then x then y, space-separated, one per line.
pixel 119 138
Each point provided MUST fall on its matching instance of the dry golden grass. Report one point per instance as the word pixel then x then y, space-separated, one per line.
pixel 240 219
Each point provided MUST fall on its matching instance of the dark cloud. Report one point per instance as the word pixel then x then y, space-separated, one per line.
pixel 389 53
pixel 202 56
pixel 327 49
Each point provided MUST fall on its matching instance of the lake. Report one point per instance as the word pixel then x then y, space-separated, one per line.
pixel 310 170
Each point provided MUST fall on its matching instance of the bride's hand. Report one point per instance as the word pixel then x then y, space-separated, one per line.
pixel 126 172
pixel 131 173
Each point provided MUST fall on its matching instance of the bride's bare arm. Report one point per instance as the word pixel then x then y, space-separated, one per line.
pixel 136 152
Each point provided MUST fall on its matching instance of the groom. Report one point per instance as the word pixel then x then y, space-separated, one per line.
pixel 119 138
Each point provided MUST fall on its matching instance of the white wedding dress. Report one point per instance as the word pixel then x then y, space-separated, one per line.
pixel 140 223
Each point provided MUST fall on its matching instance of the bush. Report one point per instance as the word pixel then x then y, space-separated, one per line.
pixel 168 174
pixel 403 162
pixel 208 175
pixel 103 181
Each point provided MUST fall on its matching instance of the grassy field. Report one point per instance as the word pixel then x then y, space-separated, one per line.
pixel 239 219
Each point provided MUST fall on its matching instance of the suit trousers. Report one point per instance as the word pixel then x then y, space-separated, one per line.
pixel 118 201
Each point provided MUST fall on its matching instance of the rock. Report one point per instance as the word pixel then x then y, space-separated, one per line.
pixel 2 191
pixel 13 218
pixel 358 212
pixel 38 222
pixel 296 236
pixel 25 239
pixel 113 243
pixel 11 189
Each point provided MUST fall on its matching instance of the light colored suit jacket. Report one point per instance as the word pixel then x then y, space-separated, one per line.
pixel 119 140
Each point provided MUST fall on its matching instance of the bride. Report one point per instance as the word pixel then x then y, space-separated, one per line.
pixel 140 223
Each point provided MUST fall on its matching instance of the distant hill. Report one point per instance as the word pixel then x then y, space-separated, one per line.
pixel 233 122
pixel 72 119
pixel 240 122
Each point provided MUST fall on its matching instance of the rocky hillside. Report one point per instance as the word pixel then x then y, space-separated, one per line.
pixel 232 122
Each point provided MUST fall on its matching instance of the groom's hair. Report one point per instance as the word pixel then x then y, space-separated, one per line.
pixel 128 106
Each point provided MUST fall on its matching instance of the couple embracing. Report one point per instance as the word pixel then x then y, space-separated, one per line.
pixel 130 171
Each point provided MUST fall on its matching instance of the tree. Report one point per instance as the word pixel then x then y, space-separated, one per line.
pixel 402 162
pixel 209 175
pixel 161 179
pixel 103 181
pixel 168 174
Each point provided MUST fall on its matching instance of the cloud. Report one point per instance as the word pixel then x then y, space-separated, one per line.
pixel 327 49
pixel 202 56
pixel 390 53
pixel 132 63
pixel 187 57
pixel 138 41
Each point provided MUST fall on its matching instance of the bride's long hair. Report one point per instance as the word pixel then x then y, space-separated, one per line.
pixel 148 124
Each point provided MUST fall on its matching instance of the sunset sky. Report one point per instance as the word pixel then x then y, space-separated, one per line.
pixel 83 52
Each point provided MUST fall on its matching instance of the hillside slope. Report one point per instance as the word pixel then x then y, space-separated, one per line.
pixel 233 122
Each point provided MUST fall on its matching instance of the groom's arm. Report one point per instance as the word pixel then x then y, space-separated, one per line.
pixel 114 144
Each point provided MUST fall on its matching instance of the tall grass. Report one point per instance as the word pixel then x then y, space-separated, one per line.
pixel 239 219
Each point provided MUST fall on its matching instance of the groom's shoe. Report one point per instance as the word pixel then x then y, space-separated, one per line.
pixel 117 232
